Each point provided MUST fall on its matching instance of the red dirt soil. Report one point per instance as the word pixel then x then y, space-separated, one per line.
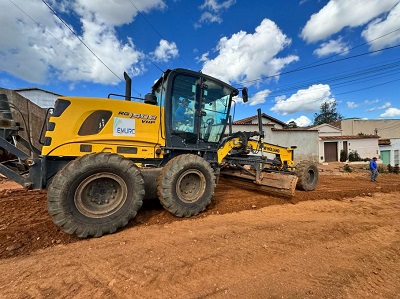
pixel 340 241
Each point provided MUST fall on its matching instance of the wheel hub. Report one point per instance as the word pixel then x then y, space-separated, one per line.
pixel 190 186
pixel 310 175
pixel 100 195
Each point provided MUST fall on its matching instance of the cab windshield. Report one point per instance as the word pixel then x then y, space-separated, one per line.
pixel 200 108
pixel 215 108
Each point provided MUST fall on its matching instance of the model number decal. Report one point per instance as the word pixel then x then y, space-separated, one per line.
pixel 272 150
pixel 149 118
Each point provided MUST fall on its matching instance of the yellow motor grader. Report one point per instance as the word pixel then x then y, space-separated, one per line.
pixel 101 157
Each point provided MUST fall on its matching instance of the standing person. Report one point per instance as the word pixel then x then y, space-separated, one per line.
pixel 373 166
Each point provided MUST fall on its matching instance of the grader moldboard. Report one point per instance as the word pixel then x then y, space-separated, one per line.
pixel 101 157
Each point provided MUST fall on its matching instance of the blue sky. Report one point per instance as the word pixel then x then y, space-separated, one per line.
pixel 293 55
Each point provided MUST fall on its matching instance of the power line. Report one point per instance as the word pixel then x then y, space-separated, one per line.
pixel 320 64
pixel 60 42
pixel 366 74
pixel 360 45
pixel 312 65
pixel 369 87
pixel 158 33
pixel 316 64
pixel 94 54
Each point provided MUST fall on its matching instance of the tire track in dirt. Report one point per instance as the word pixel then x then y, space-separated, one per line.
pixel 278 251
pixel 25 225
pixel 383 242
pixel 374 243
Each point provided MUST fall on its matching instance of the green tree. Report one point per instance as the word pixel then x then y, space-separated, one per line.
pixel 292 124
pixel 328 113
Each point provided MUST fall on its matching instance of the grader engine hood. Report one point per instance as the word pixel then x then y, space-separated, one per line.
pixel 103 125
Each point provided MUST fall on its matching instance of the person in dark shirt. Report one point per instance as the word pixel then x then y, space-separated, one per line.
pixel 373 166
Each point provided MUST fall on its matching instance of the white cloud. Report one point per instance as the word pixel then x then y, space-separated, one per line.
pixel 305 100
pixel 338 14
pixel 238 100
pixel 384 106
pixel 165 51
pixel 302 121
pixel 380 27
pixel 214 5
pixel 203 57
pixel 332 47
pixel 368 102
pixel 259 97
pixel 115 13
pixel 391 112
pixel 207 18
pixel 212 10
pixel 352 105
pixel 246 56
pixel 38 53
pixel 280 98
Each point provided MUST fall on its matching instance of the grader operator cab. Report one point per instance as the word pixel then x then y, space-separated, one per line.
pixel 102 157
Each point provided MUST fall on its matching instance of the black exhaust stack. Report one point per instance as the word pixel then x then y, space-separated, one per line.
pixel 260 124
pixel 128 87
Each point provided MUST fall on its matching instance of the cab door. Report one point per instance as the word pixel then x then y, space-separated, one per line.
pixel 184 107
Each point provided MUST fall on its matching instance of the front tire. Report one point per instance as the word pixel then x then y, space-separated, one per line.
pixel 95 194
pixel 308 175
pixel 186 185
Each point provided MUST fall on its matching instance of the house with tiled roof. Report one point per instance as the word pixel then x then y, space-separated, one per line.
pixel 332 142
pixel 388 131
pixel 277 132
pixel 266 120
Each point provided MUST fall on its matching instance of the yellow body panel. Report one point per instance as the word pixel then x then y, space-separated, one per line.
pixel 285 153
pixel 131 129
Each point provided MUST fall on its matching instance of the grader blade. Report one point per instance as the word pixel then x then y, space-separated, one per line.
pixel 269 182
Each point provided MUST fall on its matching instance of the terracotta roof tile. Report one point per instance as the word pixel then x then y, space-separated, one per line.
pixel 340 137
pixel 384 141
pixel 295 129
pixel 247 120
pixel 337 124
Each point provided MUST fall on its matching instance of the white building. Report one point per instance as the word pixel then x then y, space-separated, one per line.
pixel 277 132
pixel 332 142
pixel 41 97
pixel 389 151
pixel 385 128
pixel 388 131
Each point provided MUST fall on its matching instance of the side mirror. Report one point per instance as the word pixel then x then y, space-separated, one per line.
pixel 245 95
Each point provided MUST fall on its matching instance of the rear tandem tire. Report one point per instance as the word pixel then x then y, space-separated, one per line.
pixel 95 195
pixel 186 185
pixel 307 172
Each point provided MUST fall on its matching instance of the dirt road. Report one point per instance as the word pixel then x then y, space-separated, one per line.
pixel 339 241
